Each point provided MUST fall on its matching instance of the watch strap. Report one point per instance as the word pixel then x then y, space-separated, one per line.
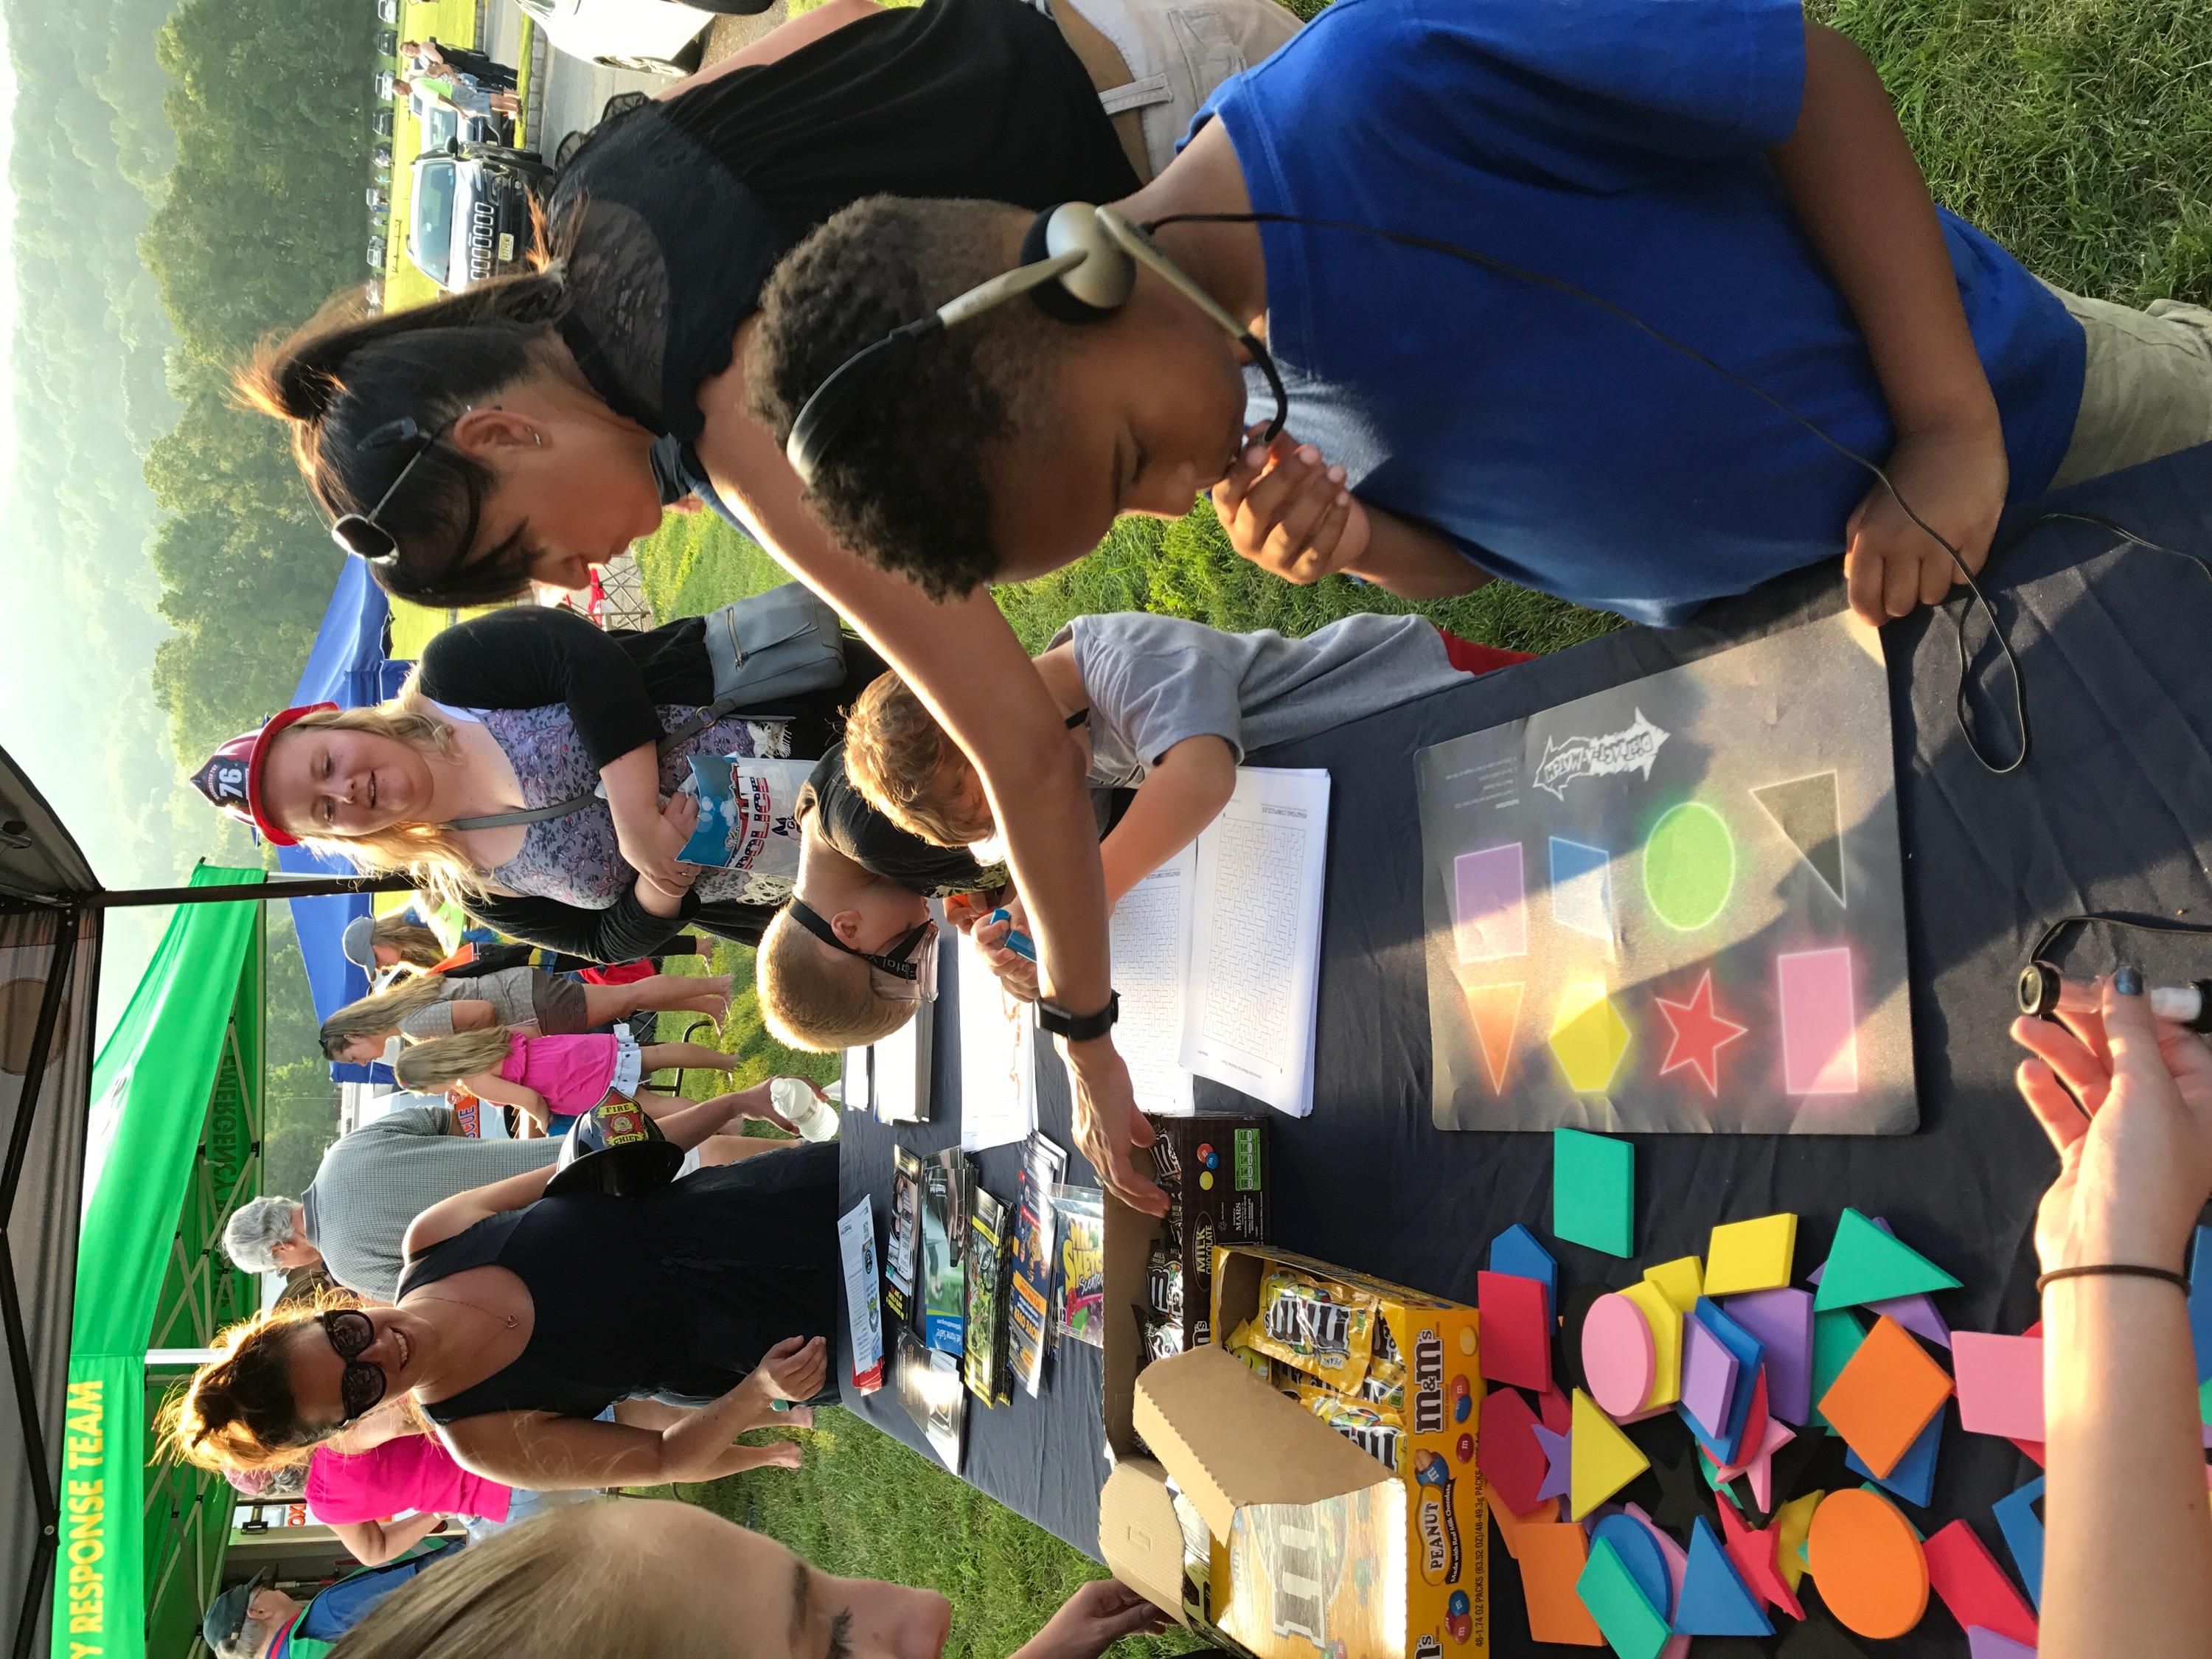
pixel 1056 1021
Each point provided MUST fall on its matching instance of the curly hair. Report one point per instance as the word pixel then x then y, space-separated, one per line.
pixel 907 766
pixel 238 1412
pixel 905 487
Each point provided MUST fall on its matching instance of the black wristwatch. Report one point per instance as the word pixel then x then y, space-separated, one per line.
pixel 1056 1021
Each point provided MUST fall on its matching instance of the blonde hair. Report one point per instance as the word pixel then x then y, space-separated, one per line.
pixel 379 1015
pixel 817 998
pixel 431 854
pixel 419 947
pixel 584 1596
pixel 908 769
pixel 238 1414
pixel 437 1062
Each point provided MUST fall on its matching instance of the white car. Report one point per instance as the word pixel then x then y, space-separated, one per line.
pixel 655 37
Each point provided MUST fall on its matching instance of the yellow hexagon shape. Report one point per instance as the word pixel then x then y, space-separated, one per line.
pixel 1588 1037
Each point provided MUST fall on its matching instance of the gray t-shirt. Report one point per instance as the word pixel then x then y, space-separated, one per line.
pixel 510 991
pixel 373 1181
pixel 1153 681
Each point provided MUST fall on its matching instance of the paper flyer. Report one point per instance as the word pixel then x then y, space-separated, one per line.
pixel 856 1242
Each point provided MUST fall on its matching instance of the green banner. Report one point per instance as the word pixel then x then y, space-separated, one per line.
pixel 152 1088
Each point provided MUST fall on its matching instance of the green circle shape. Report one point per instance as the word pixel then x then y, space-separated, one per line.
pixel 1689 866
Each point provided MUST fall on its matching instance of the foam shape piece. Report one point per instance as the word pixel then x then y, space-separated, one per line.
pixel 1678 1646
pixel 1866 1264
pixel 1793 1522
pixel 1558 1463
pixel 1916 1314
pixel 1750 1358
pixel 1567 1363
pixel 1552 1410
pixel 1756 1553
pixel 1510 1459
pixel 1594 1191
pixel 1987 1645
pixel 1664 1320
pixel 2023 1534
pixel 1603 1460
pixel 1682 1281
pixel 1619 1358
pixel 1783 1321
pixel 1751 1255
pixel 2200 1301
pixel 1872 1571
pixel 1758 1468
pixel 1516 1330
pixel 1714 1602
pixel 1914 1478
pixel 1517 1251
pixel 1630 1625
pixel 2000 1383
pixel 1882 1401
pixel 1514 1529
pixel 1973 1586
pixel 1551 1558
pixel 1835 1338
pixel 1639 1553
pixel 1709 1380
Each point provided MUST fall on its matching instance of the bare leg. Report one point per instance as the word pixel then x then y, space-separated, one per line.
pixel 692 1057
pixel 718 1150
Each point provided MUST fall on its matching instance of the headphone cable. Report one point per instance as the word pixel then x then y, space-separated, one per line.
pixel 1543 279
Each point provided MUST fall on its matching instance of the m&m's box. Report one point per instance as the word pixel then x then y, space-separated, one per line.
pixel 1214 1171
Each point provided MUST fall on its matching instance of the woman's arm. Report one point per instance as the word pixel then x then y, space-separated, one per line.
pixel 373 1542
pixel 623 932
pixel 531 656
pixel 450 1216
pixel 2127 1564
pixel 1858 192
pixel 965 664
pixel 779 42
pixel 491 1086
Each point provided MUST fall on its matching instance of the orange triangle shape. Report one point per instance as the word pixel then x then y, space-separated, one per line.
pixel 1496 1012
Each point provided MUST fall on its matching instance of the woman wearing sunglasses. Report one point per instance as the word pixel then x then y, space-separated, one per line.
pixel 521 1318
pixel 554 413
pixel 526 770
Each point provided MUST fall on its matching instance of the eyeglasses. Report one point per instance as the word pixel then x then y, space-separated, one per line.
pixel 904 971
pixel 361 1384
pixel 359 534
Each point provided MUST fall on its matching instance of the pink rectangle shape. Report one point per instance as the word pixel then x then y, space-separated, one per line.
pixel 1489 909
pixel 2000 1381
pixel 1819 1023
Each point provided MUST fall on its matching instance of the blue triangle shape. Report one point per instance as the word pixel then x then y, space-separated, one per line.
pixel 1714 1602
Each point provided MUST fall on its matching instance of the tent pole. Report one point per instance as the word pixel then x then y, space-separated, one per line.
pixel 298 887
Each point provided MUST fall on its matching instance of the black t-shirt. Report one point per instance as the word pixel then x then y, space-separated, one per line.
pixel 675 212
pixel 830 807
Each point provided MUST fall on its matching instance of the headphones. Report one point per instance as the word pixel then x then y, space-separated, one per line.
pixel 1079 265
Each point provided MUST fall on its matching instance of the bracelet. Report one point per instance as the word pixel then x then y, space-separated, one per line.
pixel 2112 1269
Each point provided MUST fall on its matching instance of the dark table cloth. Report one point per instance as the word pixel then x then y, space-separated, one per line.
pixel 2112 811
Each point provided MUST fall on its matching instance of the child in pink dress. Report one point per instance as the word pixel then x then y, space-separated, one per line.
pixel 555 1079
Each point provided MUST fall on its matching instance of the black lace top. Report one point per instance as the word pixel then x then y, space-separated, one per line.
pixel 679 209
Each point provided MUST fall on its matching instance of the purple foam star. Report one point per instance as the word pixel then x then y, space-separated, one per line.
pixel 1558 1465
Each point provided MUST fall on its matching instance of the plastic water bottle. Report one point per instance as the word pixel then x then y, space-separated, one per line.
pixel 814 1117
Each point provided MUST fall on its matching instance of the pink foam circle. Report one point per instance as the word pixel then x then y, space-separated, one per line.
pixel 1619 1362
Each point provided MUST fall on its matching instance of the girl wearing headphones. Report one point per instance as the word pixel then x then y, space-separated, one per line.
pixel 550 416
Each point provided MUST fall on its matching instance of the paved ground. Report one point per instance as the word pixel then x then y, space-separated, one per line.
pixel 569 95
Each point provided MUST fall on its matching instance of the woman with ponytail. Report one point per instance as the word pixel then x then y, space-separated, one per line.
pixel 531 427
pixel 425 1005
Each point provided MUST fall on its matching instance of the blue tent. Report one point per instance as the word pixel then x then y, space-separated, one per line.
pixel 347 666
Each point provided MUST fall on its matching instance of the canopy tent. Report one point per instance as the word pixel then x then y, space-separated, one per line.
pixel 174 1146
pixel 51 909
pixel 346 665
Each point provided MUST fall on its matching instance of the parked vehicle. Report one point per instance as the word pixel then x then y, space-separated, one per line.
pixel 468 217
pixel 654 37
pixel 376 251
pixel 381 157
pixel 379 123
pixel 387 11
pixel 387 44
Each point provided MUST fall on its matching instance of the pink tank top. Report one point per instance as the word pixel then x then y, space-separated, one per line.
pixel 572 1072
pixel 415 1472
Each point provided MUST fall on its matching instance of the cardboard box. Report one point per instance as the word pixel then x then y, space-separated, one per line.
pixel 1301 1518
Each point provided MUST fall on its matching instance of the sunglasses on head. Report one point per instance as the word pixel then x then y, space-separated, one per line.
pixel 905 971
pixel 359 534
pixel 361 1384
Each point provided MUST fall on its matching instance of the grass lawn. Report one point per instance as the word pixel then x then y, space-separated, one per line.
pixel 2078 131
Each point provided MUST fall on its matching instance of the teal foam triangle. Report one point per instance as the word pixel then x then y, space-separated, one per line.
pixel 1713 1601
pixel 1865 1264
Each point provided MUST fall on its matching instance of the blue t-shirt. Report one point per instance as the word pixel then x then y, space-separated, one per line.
pixel 1617 145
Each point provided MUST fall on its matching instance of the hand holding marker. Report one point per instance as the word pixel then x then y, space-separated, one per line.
pixel 1016 940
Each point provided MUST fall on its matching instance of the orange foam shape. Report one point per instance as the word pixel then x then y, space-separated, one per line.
pixel 1868 1561
pixel 1881 1401
pixel 1551 1558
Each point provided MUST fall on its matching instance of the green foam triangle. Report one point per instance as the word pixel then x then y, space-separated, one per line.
pixel 1865 1264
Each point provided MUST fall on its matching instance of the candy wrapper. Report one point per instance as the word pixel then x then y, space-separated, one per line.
pixel 1316 1326
pixel 1080 1291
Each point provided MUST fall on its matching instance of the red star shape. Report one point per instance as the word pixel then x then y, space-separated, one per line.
pixel 1754 1551
pixel 1696 1035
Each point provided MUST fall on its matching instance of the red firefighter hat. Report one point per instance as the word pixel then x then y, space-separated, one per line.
pixel 231 777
